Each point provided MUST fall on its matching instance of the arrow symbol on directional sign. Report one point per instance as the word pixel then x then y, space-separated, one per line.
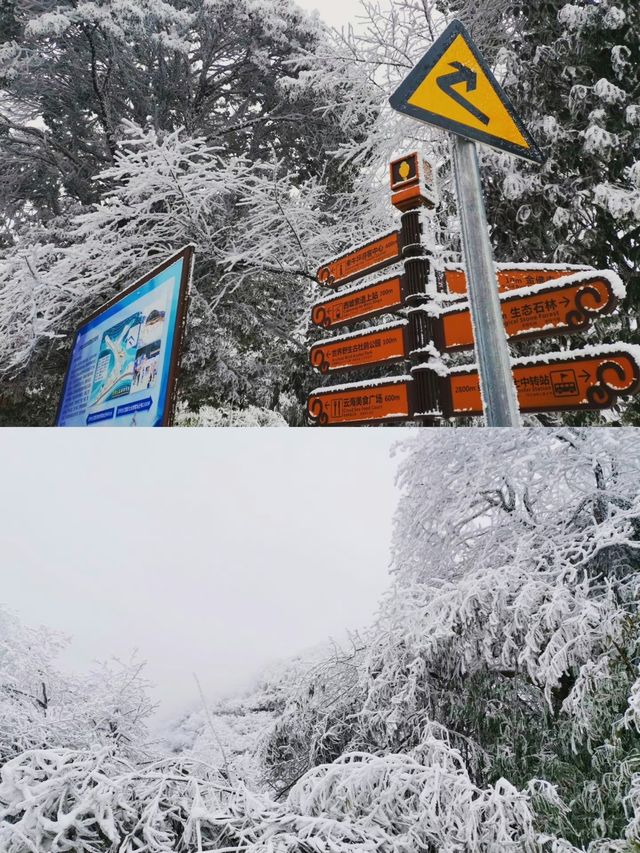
pixel 462 75
pixel 586 376
pixel 564 301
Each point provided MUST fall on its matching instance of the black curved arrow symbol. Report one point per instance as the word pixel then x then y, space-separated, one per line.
pixel 462 75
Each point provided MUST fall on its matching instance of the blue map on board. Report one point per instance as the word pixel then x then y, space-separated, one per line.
pixel 114 369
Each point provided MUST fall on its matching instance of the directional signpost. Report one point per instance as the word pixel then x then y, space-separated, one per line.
pixel 583 380
pixel 378 345
pixel 563 306
pixel 360 303
pixel 379 401
pixel 453 280
pixel 451 309
pixel 362 260
pixel 535 301
pixel 453 88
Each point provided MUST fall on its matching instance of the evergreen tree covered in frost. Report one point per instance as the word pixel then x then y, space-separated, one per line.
pixel 570 69
pixel 511 633
pixel 128 129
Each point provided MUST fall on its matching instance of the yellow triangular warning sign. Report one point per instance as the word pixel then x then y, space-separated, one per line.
pixel 453 88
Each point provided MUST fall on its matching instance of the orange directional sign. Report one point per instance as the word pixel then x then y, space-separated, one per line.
pixel 366 259
pixel 361 402
pixel 565 306
pixel 359 303
pixel 380 345
pixel 453 88
pixel 559 382
pixel 588 379
pixel 454 280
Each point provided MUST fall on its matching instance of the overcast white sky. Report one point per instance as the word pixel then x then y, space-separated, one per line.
pixel 215 551
pixel 334 12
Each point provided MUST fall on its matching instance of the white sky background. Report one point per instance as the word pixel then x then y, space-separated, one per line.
pixel 336 13
pixel 215 551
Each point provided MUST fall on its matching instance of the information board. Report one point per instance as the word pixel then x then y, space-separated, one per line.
pixel 124 359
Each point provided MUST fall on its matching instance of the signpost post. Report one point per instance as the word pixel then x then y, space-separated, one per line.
pixel 453 88
pixel 498 390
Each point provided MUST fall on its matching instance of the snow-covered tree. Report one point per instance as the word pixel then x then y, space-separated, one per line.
pixel 41 707
pixel 569 68
pixel 511 632
pixel 128 129
pixel 493 705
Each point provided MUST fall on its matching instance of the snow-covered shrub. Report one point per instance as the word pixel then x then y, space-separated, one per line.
pixel 513 187
pixel 419 801
pixel 493 705
pixel 609 92
pixel 576 16
pixel 632 115
pixel 620 203
pixel 597 140
pixel 96 800
pixel 512 630
pixel 207 416
pixel 614 18
pixel 41 707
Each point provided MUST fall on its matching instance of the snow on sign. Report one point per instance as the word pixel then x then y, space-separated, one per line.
pixel 561 307
pixel 362 260
pixel 359 303
pixel 379 345
pixel 588 379
pixel 453 88
pixel 378 401
pixel 124 360
pixel 412 182
pixel 452 279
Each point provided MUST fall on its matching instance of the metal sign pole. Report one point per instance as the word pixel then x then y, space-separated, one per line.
pixel 494 366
